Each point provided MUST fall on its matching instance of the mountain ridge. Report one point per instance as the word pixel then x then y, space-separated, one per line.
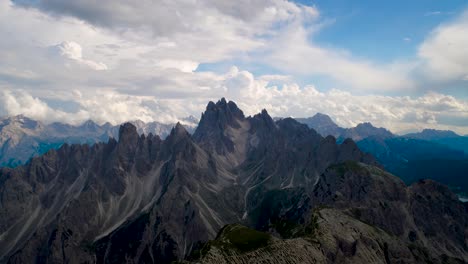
pixel 147 199
pixel 22 138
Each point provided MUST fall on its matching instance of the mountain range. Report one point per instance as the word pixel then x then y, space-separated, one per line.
pixel 22 138
pixel 429 154
pixel 239 190
pixel 411 157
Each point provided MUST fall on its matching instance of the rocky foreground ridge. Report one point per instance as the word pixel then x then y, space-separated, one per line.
pixel 142 199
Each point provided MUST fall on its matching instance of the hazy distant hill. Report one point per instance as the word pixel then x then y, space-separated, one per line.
pixel 415 159
pixel 430 154
pixel 325 126
pixel 444 137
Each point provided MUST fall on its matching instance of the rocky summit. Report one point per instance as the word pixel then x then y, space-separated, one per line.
pixel 240 190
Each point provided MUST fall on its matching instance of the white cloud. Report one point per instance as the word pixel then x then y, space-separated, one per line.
pixel 444 54
pixel 398 113
pixel 20 102
pixel 437 13
pixel 139 60
pixel 182 65
pixel 137 51
pixel 433 13
pixel 294 52
pixel 73 51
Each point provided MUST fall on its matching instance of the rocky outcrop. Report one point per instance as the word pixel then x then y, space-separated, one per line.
pixel 358 214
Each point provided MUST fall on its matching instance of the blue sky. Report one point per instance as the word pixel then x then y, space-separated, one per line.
pixel 377 29
pixel 398 64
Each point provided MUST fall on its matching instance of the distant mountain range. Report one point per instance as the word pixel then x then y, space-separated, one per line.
pixel 443 137
pixel 239 190
pixel 22 138
pixel 324 125
pixel 430 154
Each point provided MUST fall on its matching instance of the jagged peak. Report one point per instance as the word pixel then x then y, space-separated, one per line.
pixel 223 105
pixel 263 115
pixel 179 130
pixel 89 124
pixel 218 116
pixel 178 133
pixel 127 131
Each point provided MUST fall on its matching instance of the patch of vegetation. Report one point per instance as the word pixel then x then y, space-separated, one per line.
pixel 287 228
pixel 245 239
pixel 234 239
pixel 291 229
pixel 312 228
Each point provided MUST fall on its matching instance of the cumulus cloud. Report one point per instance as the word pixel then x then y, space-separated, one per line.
pixel 294 52
pixel 182 65
pixel 398 113
pixel 73 51
pixel 141 60
pixel 20 102
pixel 101 106
pixel 444 54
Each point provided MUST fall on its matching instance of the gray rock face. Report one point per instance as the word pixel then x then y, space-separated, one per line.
pixel 142 199
pixel 358 214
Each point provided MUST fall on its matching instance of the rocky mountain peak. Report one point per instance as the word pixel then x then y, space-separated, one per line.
pixel 349 150
pixel 128 134
pixel 323 124
pixel 179 131
pixel 222 113
pixel 366 129
pixel 264 118
pixel 216 119
pixel 367 126
pixel 323 119
pixel 21 121
pixel 90 125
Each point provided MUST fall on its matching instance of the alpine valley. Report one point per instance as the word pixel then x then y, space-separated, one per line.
pixel 238 190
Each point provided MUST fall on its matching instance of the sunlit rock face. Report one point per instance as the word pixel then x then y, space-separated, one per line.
pixel 143 199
